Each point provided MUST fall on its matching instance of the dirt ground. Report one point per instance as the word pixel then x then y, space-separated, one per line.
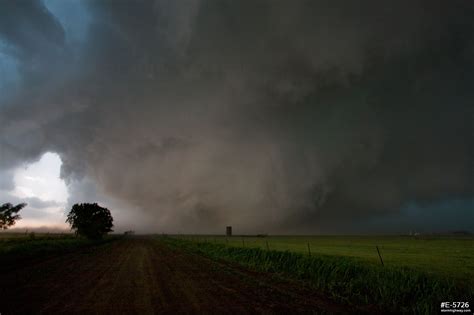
pixel 144 276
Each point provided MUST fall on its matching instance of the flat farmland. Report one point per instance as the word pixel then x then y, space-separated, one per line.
pixel 450 256
pixel 143 275
pixel 158 274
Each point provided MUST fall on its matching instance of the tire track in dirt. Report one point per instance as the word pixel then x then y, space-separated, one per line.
pixel 144 276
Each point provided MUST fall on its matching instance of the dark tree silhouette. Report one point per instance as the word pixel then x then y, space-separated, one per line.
pixel 90 220
pixel 9 214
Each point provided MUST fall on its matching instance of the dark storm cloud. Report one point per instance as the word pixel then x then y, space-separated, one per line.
pixel 29 26
pixel 32 34
pixel 265 114
pixel 6 180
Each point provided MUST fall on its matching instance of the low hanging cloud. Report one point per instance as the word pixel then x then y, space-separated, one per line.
pixel 38 203
pixel 270 115
pixel 32 202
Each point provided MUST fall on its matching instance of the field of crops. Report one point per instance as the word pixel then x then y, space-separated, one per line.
pixel 352 275
pixel 448 256
pixel 417 272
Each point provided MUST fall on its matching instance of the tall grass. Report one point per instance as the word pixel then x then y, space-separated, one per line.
pixel 447 256
pixel 345 279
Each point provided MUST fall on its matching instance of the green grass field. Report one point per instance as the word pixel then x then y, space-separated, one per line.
pixel 417 274
pixel 450 256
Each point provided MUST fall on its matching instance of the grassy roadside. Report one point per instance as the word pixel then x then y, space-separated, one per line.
pixel 448 256
pixel 344 278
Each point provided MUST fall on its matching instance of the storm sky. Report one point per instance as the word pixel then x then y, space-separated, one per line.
pixel 270 116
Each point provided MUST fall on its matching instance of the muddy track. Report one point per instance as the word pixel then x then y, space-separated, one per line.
pixel 144 276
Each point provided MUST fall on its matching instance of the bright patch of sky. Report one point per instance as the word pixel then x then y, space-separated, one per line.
pixel 41 179
pixel 39 184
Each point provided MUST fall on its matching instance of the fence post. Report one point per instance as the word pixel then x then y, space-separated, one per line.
pixel 268 248
pixel 380 256
pixel 243 242
pixel 309 250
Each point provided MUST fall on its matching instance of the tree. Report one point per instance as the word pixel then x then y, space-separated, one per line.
pixel 90 220
pixel 9 214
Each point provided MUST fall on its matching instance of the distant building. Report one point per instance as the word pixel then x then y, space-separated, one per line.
pixel 228 231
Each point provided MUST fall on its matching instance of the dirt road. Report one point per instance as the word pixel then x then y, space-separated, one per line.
pixel 144 276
